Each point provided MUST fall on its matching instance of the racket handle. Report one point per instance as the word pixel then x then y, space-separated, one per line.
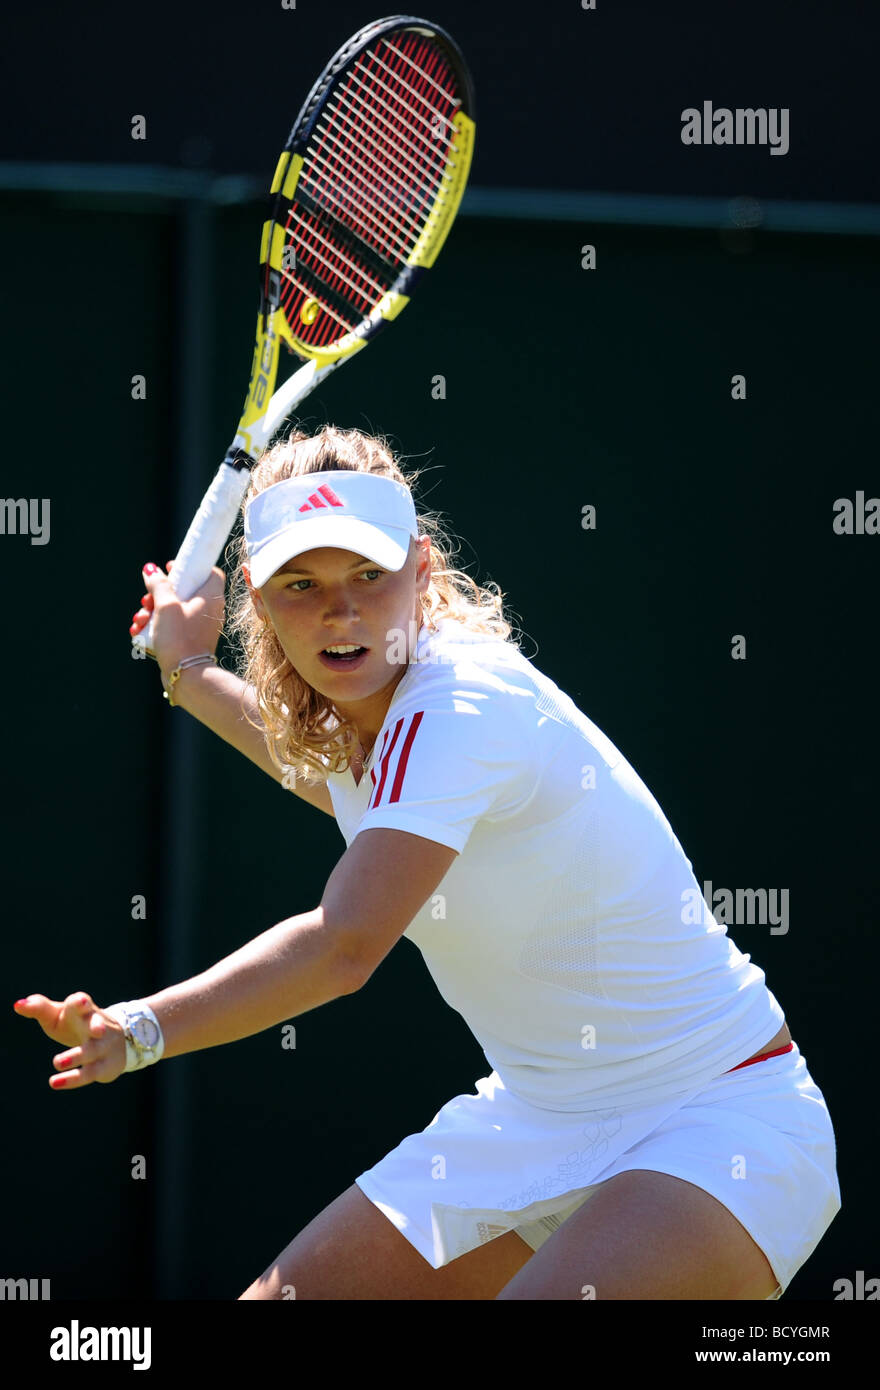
pixel 205 539
pixel 216 516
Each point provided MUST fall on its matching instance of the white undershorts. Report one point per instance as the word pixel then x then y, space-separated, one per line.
pixel 759 1139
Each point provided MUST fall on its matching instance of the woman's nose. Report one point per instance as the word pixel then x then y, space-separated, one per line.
pixel 341 607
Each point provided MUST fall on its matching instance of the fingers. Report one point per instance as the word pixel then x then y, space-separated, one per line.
pixel 207 602
pixel 76 1013
pixel 67 1023
pixel 151 575
pixel 82 1068
pixel 74 1064
pixel 74 1016
pixel 100 1057
pixel 39 1008
pixel 94 1043
pixel 80 1004
pixel 143 615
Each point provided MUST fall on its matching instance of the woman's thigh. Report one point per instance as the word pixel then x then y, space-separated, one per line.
pixel 351 1251
pixel 647 1235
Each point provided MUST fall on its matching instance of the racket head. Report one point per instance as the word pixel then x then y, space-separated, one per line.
pixel 367 187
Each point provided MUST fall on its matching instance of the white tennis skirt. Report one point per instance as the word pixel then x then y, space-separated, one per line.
pixel 759 1139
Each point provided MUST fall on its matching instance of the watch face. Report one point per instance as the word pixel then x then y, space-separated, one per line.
pixel 146 1032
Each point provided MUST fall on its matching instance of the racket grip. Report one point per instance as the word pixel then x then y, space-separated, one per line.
pixel 205 539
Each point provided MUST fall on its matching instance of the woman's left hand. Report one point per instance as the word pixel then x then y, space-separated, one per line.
pixel 95 1042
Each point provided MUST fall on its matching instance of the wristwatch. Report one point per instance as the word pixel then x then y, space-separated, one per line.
pixel 144 1043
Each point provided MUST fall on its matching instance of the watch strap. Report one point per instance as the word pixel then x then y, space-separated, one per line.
pixel 137 1055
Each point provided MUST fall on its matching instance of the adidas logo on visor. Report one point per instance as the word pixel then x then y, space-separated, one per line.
pixel 324 496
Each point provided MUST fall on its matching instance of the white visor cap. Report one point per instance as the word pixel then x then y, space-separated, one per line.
pixel 364 512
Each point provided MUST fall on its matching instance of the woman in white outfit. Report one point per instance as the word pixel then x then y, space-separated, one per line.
pixel 647 1128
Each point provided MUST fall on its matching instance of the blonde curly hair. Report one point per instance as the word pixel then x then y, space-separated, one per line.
pixel 304 731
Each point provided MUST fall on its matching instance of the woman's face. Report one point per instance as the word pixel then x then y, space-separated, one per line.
pixel 328 597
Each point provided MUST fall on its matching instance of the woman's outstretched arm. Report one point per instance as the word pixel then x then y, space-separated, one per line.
pixel 291 968
pixel 294 967
pixel 372 895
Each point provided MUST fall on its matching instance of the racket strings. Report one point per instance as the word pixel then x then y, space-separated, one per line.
pixel 352 203
pixel 325 265
pixel 406 168
pixel 328 312
pixel 376 168
pixel 311 236
pixel 423 157
pixel 399 112
pixel 423 77
pixel 416 164
pixel 328 270
pixel 398 248
pixel 349 160
pixel 333 269
pixel 430 123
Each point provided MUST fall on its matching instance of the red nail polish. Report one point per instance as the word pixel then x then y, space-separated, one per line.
pixel 19 1001
pixel 58 1081
pixel 148 569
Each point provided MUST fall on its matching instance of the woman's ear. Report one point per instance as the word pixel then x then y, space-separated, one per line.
pixel 254 593
pixel 423 564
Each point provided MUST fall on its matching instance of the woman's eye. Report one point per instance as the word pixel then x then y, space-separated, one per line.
pixel 296 582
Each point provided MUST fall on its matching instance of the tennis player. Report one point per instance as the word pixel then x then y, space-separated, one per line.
pixel 648 1128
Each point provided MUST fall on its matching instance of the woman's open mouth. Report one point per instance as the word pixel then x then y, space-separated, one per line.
pixel 343 657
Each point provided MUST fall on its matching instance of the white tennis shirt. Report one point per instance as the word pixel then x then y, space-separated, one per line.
pixel 563 932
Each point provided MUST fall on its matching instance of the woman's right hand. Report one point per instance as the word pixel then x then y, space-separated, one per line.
pixel 95 1040
pixel 180 628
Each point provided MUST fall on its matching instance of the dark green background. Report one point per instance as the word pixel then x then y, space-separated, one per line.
pixel 564 387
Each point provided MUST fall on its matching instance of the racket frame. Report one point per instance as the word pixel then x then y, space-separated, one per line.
pixel 265 408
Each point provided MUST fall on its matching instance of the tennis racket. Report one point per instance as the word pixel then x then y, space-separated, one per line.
pixel 364 195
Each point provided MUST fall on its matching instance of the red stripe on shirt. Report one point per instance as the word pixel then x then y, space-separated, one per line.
pixel 377 794
pixel 373 770
pixel 404 757
pixel 413 721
